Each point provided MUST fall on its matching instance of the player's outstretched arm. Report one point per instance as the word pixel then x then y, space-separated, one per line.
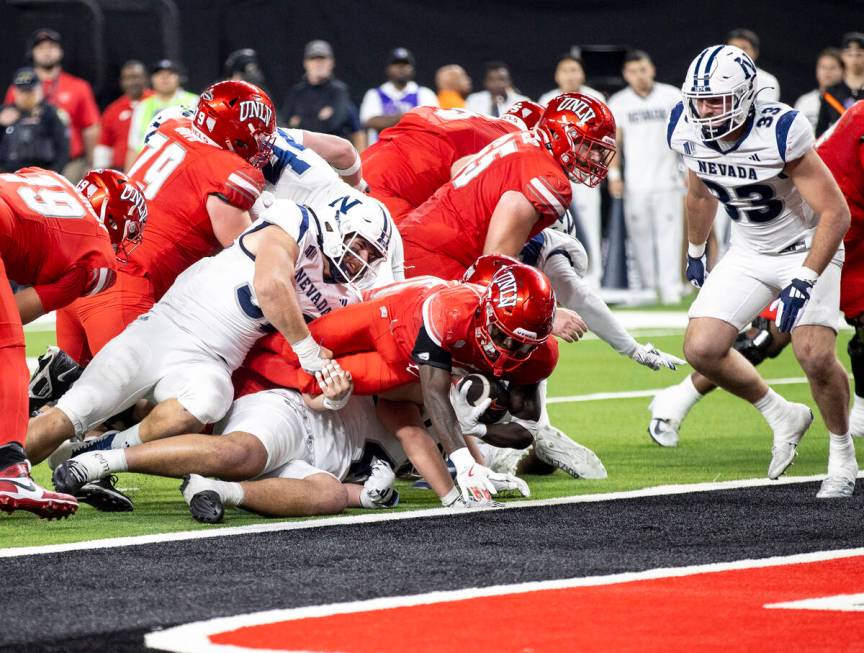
pixel 338 152
pixel 818 188
pixel 510 225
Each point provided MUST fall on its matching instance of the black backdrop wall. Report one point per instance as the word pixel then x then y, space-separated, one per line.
pixel 100 34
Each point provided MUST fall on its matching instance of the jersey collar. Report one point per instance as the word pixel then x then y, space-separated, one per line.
pixel 748 126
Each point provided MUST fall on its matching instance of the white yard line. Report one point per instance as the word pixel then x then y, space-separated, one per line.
pixel 375 517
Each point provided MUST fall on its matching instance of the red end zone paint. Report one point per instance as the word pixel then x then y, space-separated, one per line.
pixel 715 611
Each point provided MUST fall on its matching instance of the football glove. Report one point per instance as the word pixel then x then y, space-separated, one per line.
pixel 473 478
pixel 509 483
pixel 696 274
pixel 309 354
pixel 793 298
pixel 649 356
pixel 467 414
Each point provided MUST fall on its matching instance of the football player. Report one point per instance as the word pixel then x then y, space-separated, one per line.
pixel 63 245
pixel 200 177
pixel 789 217
pixel 418 155
pixel 181 354
pixel 436 326
pixel 511 190
pixel 279 454
pixel 841 149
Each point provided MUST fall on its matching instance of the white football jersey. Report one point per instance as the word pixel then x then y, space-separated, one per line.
pixel 768 213
pixel 296 172
pixel 648 164
pixel 215 300
pixel 551 242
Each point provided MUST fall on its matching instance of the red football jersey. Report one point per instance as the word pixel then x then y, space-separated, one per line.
pixel 180 170
pixel 51 238
pixel 426 142
pixel 843 153
pixel 456 218
pixel 448 316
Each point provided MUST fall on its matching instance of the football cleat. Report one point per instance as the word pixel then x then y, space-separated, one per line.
pixel 204 503
pixel 664 431
pixel 555 448
pixel 18 491
pixel 504 460
pixel 378 488
pixel 668 409
pixel 55 374
pixel 837 487
pixel 786 439
pixel 104 496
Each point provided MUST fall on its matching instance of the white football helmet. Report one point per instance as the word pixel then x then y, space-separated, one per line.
pixel 355 236
pixel 725 77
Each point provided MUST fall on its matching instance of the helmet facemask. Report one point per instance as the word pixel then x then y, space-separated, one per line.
pixel 589 159
pixel 734 109
pixel 358 263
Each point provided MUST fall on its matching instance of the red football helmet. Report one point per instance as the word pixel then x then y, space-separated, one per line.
pixel 120 205
pixel 239 117
pixel 485 267
pixel 514 316
pixel 525 114
pixel 579 132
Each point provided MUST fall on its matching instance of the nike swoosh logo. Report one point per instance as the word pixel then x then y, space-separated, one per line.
pixel 29 486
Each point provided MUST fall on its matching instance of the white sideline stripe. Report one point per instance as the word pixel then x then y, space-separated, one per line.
pixel 376 517
pixel 633 394
pixel 193 637
pixel 836 603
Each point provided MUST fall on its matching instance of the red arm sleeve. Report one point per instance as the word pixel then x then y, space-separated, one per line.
pixel 550 194
pixel 63 291
pixel 240 186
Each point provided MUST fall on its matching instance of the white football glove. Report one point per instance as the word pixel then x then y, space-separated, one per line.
pixel 467 414
pixel 508 483
pixel 649 356
pixel 309 354
pixel 473 478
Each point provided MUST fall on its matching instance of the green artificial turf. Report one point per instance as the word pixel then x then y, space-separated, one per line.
pixel 722 439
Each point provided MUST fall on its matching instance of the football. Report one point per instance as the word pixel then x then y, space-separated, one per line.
pixel 479 388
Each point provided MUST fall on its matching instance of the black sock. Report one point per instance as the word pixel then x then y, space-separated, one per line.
pixel 11 454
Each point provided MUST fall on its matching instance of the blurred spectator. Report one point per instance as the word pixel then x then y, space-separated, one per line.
pixel 836 99
pixel 114 137
pixel 829 72
pixel 320 102
pixel 243 65
pixel 652 184
pixel 383 106
pixel 499 94
pixel 71 95
pixel 31 131
pixel 767 86
pixel 570 77
pixel 165 79
pixel 453 86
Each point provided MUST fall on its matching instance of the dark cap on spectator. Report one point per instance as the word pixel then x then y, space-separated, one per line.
pixel 400 55
pixel 166 64
pixel 26 79
pixel 318 49
pixel 850 38
pixel 45 34
pixel 239 59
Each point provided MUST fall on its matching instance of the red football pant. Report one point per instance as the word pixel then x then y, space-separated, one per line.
pixel 397 207
pixel 421 262
pixel 89 323
pixel 852 278
pixel 14 375
pixel 361 338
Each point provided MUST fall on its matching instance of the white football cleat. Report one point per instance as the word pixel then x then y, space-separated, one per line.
pixel 837 487
pixel 786 439
pixel 505 460
pixel 667 412
pixel 555 448
pixel 664 431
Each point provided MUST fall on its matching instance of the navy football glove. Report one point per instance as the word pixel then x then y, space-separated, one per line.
pixel 696 274
pixel 792 300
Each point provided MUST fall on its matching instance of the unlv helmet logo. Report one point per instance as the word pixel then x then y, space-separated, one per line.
pixel 582 109
pixel 134 196
pixel 255 109
pixel 507 288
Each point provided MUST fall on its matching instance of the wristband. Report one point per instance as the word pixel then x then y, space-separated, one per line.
pixel 614 174
pixel 306 348
pixel 695 251
pixel 451 497
pixel 336 404
pixel 462 458
pixel 350 170
pixel 806 274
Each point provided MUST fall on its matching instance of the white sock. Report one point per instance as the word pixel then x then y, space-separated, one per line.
pixel 230 493
pixel 541 397
pixel 841 453
pixel 773 408
pixel 451 497
pixel 690 396
pixel 858 404
pixel 127 438
pixel 101 463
